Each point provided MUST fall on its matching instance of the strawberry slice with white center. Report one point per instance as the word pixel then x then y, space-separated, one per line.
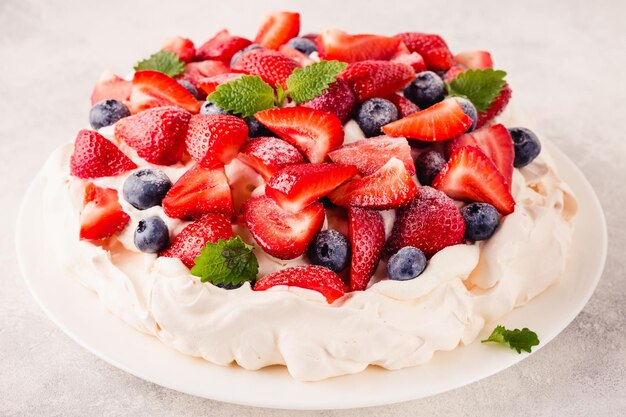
pixel 182 47
pixel 296 186
pixel 377 78
pixel 369 155
pixel 367 239
pixel 336 44
pixel 188 244
pixel 214 140
pixel 431 47
pixel 198 192
pixel 272 66
pixel 95 156
pixel 389 187
pixel 210 84
pixel 312 132
pixel 470 175
pixel 267 155
pixel 155 89
pixel 279 233
pixel 102 215
pixel 474 59
pixel 442 121
pixel 404 105
pixel 110 86
pixel 277 29
pixel 221 47
pixel 311 277
pixel 197 72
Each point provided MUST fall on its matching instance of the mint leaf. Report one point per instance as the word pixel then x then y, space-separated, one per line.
pixel 227 262
pixel 481 87
pixel 245 96
pixel 163 61
pixel 306 83
pixel 517 339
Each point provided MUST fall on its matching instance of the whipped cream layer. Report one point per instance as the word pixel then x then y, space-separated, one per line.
pixel 393 324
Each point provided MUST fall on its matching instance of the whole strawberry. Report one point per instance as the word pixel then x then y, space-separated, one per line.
pixel 95 156
pixel 272 66
pixel 339 100
pixel 215 139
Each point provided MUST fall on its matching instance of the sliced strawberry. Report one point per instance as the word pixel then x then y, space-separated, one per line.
pixel 197 72
pixel 442 121
pixel 367 239
pixel 215 139
pixel 296 55
pixel 430 223
pixel 369 155
pixel 470 175
pixel 458 142
pixel 335 44
pixel 389 187
pixel 209 84
pixel 282 234
pixel 95 156
pixel 193 238
pixel 221 47
pixel 198 192
pixel 431 47
pixel 474 59
pixel 158 134
pixel 311 277
pixel 338 99
pixel 277 29
pixel 102 215
pixel 413 59
pixel 312 132
pixel 404 105
pixel 267 155
pixel 296 186
pixel 180 46
pixel 377 78
pixel 155 89
pixel 496 107
pixel 453 72
pixel 272 66
pixel 110 86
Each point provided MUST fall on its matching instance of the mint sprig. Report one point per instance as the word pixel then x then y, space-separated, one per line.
pixel 306 83
pixel 228 262
pixel 481 87
pixel 163 61
pixel 516 339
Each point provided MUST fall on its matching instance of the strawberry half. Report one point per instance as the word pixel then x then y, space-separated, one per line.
pixel 193 238
pixel 214 140
pixel 272 66
pixel 404 105
pixel 110 86
pixel 430 223
pixel 155 89
pixel 369 155
pixel 282 234
pixel 197 72
pixel 442 121
pixel 182 47
pixel 335 44
pixel 496 107
pixel 367 239
pixel 158 134
pixel 470 175
pixel 474 59
pixel 299 57
pixel 311 277
pixel 431 47
pixel 95 156
pixel 389 187
pixel 312 132
pixel 413 59
pixel 377 78
pixel 296 186
pixel 277 29
pixel 267 155
pixel 210 84
pixel 102 215
pixel 198 192
pixel 221 47
pixel 338 99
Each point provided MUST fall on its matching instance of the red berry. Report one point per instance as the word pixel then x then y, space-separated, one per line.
pixel 312 277
pixel 367 239
pixel 110 86
pixel 214 140
pixel 210 84
pixel 182 47
pixel 102 215
pixel 453 72
pixel 377 78
pixel 155 89
pixel 267 155
pixel 474 59
pixel 277 29
pixel 405 106
pixel 335 44
pixel 496 107
pixel 95 156
pixel 221 47
pixel 339 100
pixel 369 155
pixel 272 66
pixel 197 72
pixel 431 47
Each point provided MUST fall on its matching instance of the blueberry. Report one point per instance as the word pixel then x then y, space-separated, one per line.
pixel 425 90
pixel 256 129
pixel 527 146
pixel 243 51
pixel 189 87
pixel 330 249
pixel 427 166
pixel 146 188
pixel 208 107
pixel 481 220
pixel 374 114
pixel 408 263
pixel 106 112
pixel 470 110
pixel 229 286
pixel 304 45
pixel 152 235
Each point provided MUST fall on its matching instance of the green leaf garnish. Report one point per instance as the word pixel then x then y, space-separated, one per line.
pixel 517 339
pixel 306 83
pixel 162 61
pixel 481 87
pixel 227 262
pixel 245 96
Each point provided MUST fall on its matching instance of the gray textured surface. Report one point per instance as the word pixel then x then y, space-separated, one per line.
pixel 566 65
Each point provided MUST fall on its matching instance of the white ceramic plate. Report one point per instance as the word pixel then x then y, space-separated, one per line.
pixel 77 311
